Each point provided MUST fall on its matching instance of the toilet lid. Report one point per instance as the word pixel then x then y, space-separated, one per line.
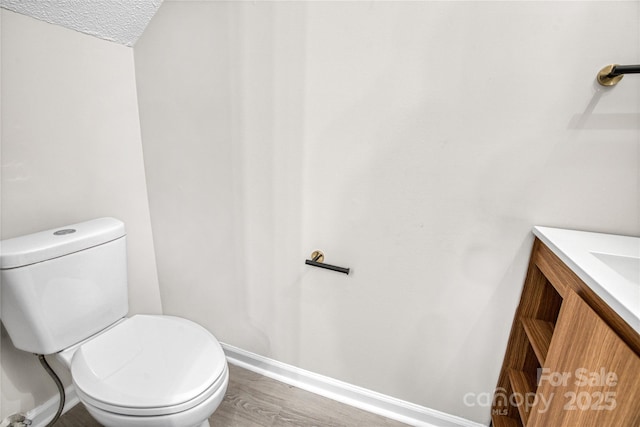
pixel 148 362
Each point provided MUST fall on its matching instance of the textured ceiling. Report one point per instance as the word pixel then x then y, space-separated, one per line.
pixel 120 21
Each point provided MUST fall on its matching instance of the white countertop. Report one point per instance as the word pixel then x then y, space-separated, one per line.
pixel 609 264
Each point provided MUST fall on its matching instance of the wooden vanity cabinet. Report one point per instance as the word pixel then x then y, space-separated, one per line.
pixel 570 360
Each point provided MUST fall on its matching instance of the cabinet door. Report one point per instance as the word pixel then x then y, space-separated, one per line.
pixel 590 378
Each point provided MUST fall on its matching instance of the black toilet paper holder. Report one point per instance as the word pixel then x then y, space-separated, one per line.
pixel 316 261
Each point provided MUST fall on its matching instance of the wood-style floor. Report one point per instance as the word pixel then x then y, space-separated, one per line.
pixel 253 400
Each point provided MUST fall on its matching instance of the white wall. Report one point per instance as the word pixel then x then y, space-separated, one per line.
pixel 71 151
pixel 415 142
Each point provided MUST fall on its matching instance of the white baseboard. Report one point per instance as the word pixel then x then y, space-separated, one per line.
pixel 44 413
pixel 349 394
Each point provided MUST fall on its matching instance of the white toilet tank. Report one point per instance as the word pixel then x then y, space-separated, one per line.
pixel 60 286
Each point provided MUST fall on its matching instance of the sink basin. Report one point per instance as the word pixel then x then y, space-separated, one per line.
pixel 626 266
pixel 609 264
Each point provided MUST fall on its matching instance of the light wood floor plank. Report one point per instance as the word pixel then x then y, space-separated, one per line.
pixel 253 400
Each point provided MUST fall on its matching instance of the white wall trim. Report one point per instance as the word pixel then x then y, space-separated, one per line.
pixel 340 391
pixel 42 414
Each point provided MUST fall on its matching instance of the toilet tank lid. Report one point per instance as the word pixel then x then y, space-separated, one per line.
pixel 57 242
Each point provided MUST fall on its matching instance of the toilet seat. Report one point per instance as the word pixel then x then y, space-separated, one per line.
pixel 149 365
pixel 155 411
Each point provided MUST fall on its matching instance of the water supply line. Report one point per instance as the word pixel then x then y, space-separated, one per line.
pixel 55 379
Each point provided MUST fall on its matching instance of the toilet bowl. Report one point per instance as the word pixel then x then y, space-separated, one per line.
pixel 65 293
pixel 149 370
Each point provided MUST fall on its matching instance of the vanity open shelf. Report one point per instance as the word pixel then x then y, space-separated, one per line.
pixel 539 333
pixel 571 359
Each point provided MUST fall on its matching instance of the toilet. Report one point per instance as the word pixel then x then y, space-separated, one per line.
pixel 64 293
